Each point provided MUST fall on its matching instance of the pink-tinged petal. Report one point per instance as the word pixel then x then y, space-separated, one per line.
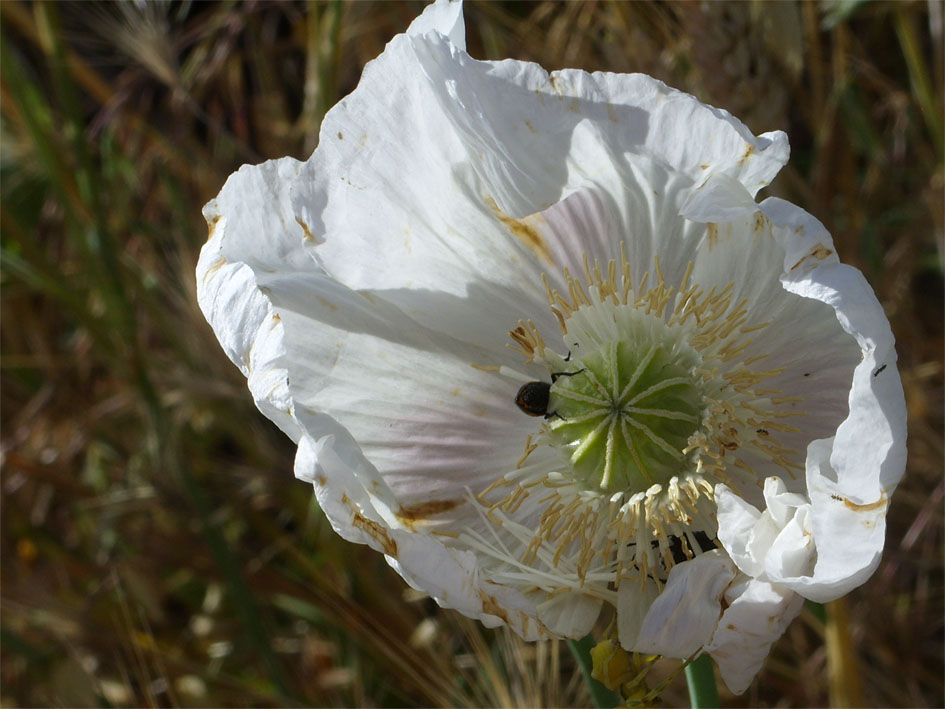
pixel 362 509
pixel 429 420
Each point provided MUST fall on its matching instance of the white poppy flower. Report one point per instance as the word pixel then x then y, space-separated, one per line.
pixel 473 235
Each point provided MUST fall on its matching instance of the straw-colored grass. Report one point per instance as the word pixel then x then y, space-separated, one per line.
pixel 156 549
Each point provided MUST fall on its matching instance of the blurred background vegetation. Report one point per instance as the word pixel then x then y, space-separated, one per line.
pixel 156 549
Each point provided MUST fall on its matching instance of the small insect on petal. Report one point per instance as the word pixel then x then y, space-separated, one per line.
pixel 532 398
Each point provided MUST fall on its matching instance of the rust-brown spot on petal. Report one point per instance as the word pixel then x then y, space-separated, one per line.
pixel 749 150
pixel 377 531
pixel 423 511
pixel 327 303
pixel 711 234
pixel 486 367
pixel 523 231
pixel 212 225
pixel 492 607
pixel 761 222
pixel 213 267
pixel 819 252
pixel 881 502
pixel 306 231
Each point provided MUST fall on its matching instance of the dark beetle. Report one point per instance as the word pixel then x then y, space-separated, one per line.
pixel 532 398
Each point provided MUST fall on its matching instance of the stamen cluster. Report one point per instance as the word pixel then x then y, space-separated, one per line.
pixel 655 409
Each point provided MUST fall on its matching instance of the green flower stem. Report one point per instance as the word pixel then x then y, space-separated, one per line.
pixel 700 677
pixel 817 610
pixel 602 697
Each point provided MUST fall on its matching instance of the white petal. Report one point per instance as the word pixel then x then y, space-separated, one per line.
pixel 685 614
pixel 445 17
pixel 441 230
pixel 720 199
pixel 361 509
pixel 428 420
pixel 792 552
pixel 777 541
pixel 801 337
pixel 582 225
pixel 493 141
pixel 632 606
pixel 781 503
pixel 851 476
pixel 569 614
pixel 751 623
pixel 333 367
pixel 849 537
pixel 244 232
pixel 805 240
pixel 869 453
pixel 737 522
pixel 341 478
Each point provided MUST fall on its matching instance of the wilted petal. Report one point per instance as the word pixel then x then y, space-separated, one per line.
pixel 869 452
pixel 741 529
pixel 633 604
pixel 781 504
pixel 792 552
pixel 851 476
pixel 685 614
pixel 750 624
pixel 849 538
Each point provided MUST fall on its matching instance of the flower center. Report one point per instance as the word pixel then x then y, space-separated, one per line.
pixel 655 403
pixel 625 411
